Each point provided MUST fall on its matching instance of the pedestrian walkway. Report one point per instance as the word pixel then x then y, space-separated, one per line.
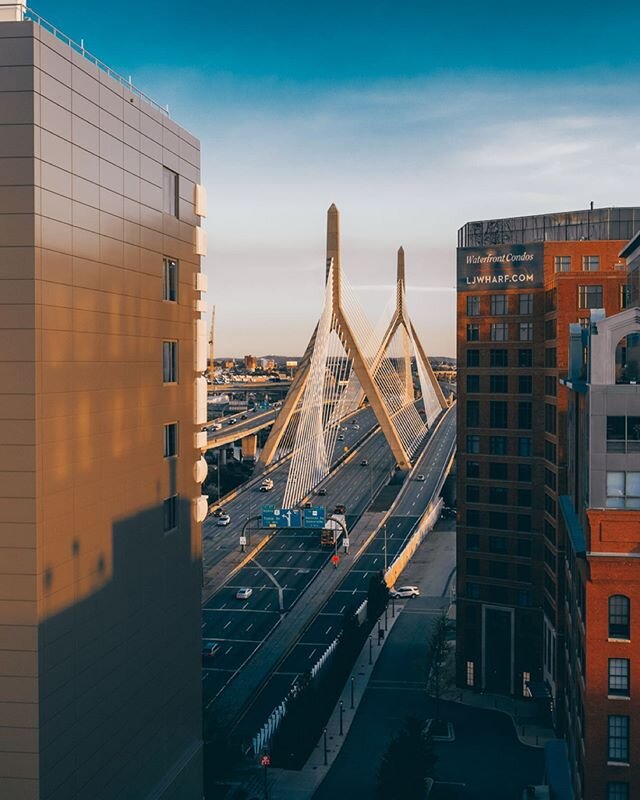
pixel 301 784
pixel 524 714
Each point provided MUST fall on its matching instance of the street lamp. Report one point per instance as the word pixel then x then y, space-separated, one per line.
pixel 384 528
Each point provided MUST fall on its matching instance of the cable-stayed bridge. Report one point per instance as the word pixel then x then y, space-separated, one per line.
pixel 347 362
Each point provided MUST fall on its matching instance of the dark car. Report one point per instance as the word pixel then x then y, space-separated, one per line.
pixel 364 463
pixel 244 416
pixel 322 492
pixel 307 505
pixel 218 512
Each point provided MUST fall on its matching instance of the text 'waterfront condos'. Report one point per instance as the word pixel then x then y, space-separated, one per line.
pixel 102 347
pixel 521 282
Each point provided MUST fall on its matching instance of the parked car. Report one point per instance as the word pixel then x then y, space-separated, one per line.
pixel 209 650
pixel 364 462
pixel 448 513
pixel 223 520
pixel 420 478
pixel 405 591
pixel 244 593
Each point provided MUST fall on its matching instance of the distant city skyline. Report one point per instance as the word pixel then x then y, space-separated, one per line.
pixel 413 120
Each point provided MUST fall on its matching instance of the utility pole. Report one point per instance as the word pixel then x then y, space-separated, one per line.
pixel 384 528
pixel 213 317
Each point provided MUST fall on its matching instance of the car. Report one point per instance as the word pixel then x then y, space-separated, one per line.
pixel 223 520
pixel 307 505
pixel 448 513
pixel 266 485
pixel 341 438
pixel 364 462
pixel 356 427
pixel 420 478
pixel 216 426
pixel 405 591
pixel 344 428
pixel 244 593
pixel 218 512
pixel 322 492
pixel 244 416
pixel 232 421
pixel 209 650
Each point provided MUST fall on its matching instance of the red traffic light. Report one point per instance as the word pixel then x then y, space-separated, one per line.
pixel 265 761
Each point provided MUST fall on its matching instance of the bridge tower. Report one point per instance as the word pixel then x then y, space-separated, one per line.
pixel 391 401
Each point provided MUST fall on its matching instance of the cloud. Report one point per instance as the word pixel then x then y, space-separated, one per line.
pixel 407 162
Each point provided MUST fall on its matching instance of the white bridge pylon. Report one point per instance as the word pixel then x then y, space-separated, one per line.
pixel 346 361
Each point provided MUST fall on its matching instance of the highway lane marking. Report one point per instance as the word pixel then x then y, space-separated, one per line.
pixel 249 628
pixel 328 629
pixel 228 650
pixel 312 652
pixel 227 625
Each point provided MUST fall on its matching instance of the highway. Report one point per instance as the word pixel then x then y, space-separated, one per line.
pixel 218 541
pixel 243 427
pixel 285 567
pixel 353 589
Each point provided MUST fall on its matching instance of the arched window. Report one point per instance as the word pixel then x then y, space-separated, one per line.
pixel 628 359
pixel 619 617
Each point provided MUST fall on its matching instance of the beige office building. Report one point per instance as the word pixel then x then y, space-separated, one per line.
pixel 102 347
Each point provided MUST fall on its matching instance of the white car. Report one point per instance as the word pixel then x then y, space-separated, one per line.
pixel 224 520
pixel 216 427
pixel 405 591
pixel 420 478
pixel 244 593
pixel 266 485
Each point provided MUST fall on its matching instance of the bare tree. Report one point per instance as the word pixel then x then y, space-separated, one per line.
pixel 439 665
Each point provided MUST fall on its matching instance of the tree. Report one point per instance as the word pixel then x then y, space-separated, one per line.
pixel 439 661
pixel 407 764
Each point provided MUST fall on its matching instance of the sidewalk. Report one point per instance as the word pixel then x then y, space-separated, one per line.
pixel 528 728
pixel 301 784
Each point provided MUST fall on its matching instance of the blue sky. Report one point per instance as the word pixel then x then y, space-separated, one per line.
pixel 413 117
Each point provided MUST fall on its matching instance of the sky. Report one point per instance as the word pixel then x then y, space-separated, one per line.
pixel 412 117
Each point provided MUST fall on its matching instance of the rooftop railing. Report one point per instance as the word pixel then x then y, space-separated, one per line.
pixel 30 14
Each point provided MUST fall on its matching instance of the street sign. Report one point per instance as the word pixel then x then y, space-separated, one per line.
pixel 243 541
pixel 314 517
pixel 281 517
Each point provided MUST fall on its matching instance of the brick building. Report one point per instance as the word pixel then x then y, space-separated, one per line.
pixel 600 513
pixel 521 282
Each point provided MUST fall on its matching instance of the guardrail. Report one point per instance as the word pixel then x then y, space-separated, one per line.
pixel 32 16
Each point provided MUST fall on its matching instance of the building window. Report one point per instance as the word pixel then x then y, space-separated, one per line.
pixel 498 384
pixel 497 544
pixel 550 385
pixel 523 548
pixel 473 383
pixel 550 418
pixel 584 322
pixel 169 192
pixel 498 520
pixel 473 566
pixel 471 675
pixel 523 523
pixel 524 473
pixel 524 498
pixel 550 479
pixel 473 493
pixel 623 489
pixel 623 434
pixel 473 358
pixel 474 518
pixel 170 362
pixel 525 415
pixel 590 263
pixel 498 471
pixel 499 305
pixel 170 290
pixel 550 299
pixel 562 263
pixel 473 306
pixel 525 358
pixel 498 358
pixel 170 513
pixel 617 790
pixel 498 445
pixel 618 749
pixel 499 331
pixel 473 542
pixel 499 569
pixel 473 332
pixel 619 677
pixel 498 495
pixel 498 414
pixel 625 296
pixel 525 384
pixel 473 413
pixel 550 451
pixel 551 329
pixel 523 573
pixel 619 617
pixel 525 331
pixel 473 469
pixel 550 506
pixel 171 440
pixel 551 357
pixel 473 444
pixel 524 598
pixel 473 591
pixel 525 303
pixel 525 446
pixel 589 296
